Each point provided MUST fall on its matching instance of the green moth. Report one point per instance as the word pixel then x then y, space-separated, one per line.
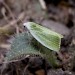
pixel 45 36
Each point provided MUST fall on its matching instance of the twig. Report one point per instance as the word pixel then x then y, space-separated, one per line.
pixel 13 22
pixel 12 15
pixel 43 4
pixel 7 46
pixel 25 69
pixel 3 11
pixel 7 7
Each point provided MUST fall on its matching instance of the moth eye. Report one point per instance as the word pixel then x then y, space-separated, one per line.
pixel 24 26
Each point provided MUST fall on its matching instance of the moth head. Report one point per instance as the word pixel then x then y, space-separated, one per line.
pixel 27 25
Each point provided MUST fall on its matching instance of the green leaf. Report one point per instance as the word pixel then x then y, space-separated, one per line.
pixel 46 37
pixel 22 44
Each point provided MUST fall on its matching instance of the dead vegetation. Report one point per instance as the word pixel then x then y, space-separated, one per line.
pixel 58 17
